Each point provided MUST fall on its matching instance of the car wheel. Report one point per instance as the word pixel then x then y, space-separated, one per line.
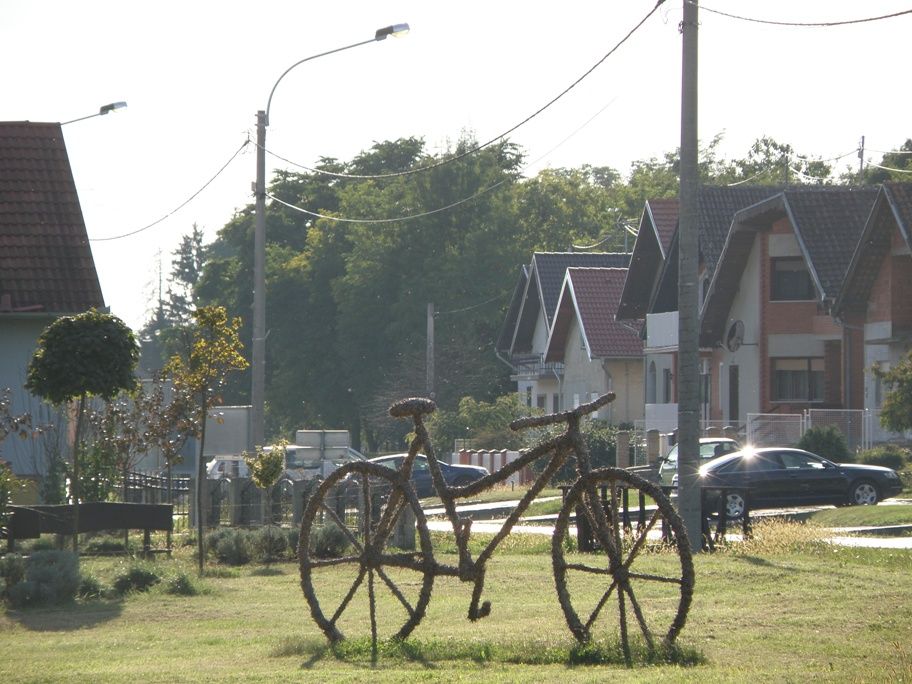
pixel 863 493
pixel 734 506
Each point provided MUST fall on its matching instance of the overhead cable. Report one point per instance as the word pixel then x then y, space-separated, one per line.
pixel 180 206
pixel 805 24
pixel 497 138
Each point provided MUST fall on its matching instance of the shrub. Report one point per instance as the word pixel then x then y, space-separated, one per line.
pixel 887 455
pixel 12 571
pixel 293 535
pixel 232 547
pixel 826 441
pixel 106 545
pixel 327 541
pixel 270 544
pixel 51 577
pixel 182 584
pixel 137 577
pixel 90 587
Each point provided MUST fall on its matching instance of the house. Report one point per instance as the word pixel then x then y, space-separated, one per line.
pixel 524 336
pixel 875 303
pixel 46 265
pixel 598 353
pixel 650 295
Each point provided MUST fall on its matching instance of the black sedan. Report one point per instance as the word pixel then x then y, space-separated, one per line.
pixel 775 477
pixel 453 475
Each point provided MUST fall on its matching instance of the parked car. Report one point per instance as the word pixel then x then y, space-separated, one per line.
pixel 710 448
pixel 453 475
pixel 777 476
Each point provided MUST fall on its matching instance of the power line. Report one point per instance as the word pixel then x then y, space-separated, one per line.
pixel 809 24
pixel 493 140
pixel 469 308
pixel 180 206
pixel 888 168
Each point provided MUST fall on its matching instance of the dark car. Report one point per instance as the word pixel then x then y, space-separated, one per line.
pixel 453 475
pixel 776 477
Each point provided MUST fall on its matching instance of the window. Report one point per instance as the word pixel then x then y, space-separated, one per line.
pixel 666 386
pixel 555 402
pixel 540 401
pixel 651 383
pixel 797 379
pixel 790 280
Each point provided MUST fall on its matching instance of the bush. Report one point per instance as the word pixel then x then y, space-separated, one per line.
pixel 107 545
pixel 51 578
pixel 887 455
pixel 12 571
pixel 269 544
pixel 90 587
pixel 293 535
pixel 826 441
pixel 231 546
pixel 137 577
pixel 182 584
pixel 327 541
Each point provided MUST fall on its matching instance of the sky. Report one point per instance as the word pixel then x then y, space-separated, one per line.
pixel 195 73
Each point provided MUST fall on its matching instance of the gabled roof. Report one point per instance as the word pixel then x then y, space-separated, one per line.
pixel 591 296
pixel 892 209
pixel 46 264
pixel 545 279
pixel 657 226
pixel 827 221
pixel 716 206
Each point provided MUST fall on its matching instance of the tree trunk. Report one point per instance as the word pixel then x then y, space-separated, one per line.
pixel 200 477
pixel 77 446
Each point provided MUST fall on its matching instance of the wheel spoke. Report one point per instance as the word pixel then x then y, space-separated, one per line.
pixel 329 562
pixel 342 526
pixel 656 578
pixel 587 568
pixel 409 561
pixel 622 610
pixel 395 591
pixel 348 597
pixel 641 538
pixel 372 600
pixel 615 519
pixel 366 507
pixel 600 605
pixel 639 616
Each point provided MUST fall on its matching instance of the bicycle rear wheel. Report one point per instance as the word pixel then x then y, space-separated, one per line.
pixel 355 580
pixel 653 596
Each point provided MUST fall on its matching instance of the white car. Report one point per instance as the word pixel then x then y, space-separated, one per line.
pixel 710 448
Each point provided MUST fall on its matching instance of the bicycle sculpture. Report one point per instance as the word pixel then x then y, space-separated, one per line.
pixel 365 500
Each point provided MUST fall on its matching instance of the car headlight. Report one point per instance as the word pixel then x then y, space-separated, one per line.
pixel 891 475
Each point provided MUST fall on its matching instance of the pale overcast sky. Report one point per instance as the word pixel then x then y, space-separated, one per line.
pixel 195 73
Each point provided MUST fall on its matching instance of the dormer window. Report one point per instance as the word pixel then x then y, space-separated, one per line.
pixel 790 280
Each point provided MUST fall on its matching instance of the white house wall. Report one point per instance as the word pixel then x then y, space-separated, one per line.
pixel 746 308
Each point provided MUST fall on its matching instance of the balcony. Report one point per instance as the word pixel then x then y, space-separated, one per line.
pixel 662 331
pixel 533 367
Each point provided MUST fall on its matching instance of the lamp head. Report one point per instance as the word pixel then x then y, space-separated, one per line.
pixel 114 106
pixel 394 30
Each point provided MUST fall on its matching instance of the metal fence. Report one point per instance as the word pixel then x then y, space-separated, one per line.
pixel 860 427
pixel 775 429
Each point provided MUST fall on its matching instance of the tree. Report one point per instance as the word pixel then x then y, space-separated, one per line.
pixel 266 467
pixel 92 354
pixel 894 166
pixel 896 410
pixel 213 351
pixel 486 424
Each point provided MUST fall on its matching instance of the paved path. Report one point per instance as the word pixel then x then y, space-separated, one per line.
pixel 870 537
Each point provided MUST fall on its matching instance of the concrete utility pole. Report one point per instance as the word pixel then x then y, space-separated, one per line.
pixel 688 301
pixel 430 350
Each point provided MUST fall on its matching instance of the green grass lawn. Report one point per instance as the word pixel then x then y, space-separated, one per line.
pixel 857 516
pixel 785 607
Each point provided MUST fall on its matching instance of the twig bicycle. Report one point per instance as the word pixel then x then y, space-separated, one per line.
pixel 655 599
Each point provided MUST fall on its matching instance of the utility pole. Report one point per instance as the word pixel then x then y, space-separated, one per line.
pixel 258 351
pixel 430 350
pixel 861 161
pixel 689 504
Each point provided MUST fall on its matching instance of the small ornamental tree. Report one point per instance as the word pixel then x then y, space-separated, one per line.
pixel 266 467
pixel 896 410
pixel 92 354
pixel 214 350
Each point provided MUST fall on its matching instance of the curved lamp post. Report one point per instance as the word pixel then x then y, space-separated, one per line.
pixel 104 109
pixel 258 352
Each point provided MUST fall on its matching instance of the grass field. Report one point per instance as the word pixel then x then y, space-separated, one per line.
pixel 784 607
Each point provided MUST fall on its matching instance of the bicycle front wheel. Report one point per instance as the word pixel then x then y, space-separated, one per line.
pixel 642 576
pixel 361 572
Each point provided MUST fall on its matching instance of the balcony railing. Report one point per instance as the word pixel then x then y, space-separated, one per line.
pixel 533 367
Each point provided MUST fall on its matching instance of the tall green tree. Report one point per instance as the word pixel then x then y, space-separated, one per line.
pixel 894 166
pixel 92 354
pixel 213 351
pixel 896 411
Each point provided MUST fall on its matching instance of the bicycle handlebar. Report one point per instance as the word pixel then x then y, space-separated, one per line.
pixel 563 417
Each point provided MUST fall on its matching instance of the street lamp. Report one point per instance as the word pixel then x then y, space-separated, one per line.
pixel 258 352
pixel 104 109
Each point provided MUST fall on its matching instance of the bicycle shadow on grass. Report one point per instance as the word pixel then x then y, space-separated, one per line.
pixel 355 651
pixel 66 618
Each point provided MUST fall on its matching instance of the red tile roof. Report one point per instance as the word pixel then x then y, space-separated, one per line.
pixel 593 294
pixel 46 264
